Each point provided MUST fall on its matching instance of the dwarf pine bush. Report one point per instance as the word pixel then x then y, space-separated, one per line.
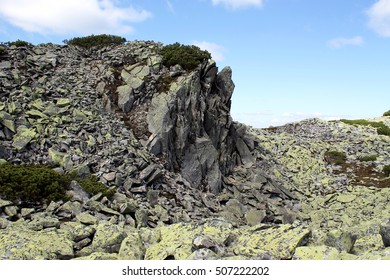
pixel 32 184
pixel 335 157
pixel 99 41
pixel 188 57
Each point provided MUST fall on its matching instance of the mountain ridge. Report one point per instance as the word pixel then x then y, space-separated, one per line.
pixel 163 138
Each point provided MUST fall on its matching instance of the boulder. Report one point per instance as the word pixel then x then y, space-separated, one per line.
pixel 342 241
pixel 132 247
pixel 23 137
pixel 19 243
pixel 108 238
pixel 320 253
pixel 125 98
pixel 385 233
pixel 279 242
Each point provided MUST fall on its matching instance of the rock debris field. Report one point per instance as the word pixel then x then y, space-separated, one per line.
pixel 189 182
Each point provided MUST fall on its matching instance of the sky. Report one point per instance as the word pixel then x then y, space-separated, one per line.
pixel 291 59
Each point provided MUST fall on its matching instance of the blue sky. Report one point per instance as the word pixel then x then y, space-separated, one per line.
pixel 291 59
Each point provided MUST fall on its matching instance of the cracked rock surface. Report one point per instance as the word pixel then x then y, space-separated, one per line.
pixel 190 183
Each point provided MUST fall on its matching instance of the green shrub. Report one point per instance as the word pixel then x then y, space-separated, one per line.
pixel 31 184
pixel 188 57
pixel 92 186
pixel 20 43
pixel 99 41
pixel 2 50
pixel 335 157
pixel 386 170
pixel 368 158
pixel 381 128
pixel 386 114
pixel 385 130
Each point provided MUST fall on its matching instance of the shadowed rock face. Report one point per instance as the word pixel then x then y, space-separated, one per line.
pixel 191 124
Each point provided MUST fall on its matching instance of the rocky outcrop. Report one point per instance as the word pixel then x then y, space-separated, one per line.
pixel 191 125
pixel 190 182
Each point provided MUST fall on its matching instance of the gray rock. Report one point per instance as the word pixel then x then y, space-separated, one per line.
pixel 109 177
pixel 69 209
pixel 152 197
pixel 131 80
pixel 82 243
pixel 255 217
pixel 77 193
pixel 384 231
pixel 4 203
pixel 87 219
pixel 235 207
pixel 3 223
pixel 11 211
pixel 19 243
pixel 108 238
pixel 343 241
pixel 23 137
pixel 125 98
pixel 141 216
pixel 132 247
pixel 203 254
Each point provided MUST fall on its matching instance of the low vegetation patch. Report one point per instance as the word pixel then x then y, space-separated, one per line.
pixel 386 114
pixel 92 185
pixel 99 41
pixel 386 170
pixel 32 184
pixel 335 157
pixel 188 57
pixel 380 126
pixel 367 158
pixel 38 184
pixel 2 50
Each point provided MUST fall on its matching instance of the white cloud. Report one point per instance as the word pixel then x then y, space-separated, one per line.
pixel 379 17
pixel 340 42
pixel 71 16
pixel 236 4
pixel 217 51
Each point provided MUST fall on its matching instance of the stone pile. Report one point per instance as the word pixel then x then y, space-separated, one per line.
pixel 331 197
pixel 190 182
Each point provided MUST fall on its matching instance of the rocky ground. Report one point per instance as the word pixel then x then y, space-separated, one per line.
pixel 190 182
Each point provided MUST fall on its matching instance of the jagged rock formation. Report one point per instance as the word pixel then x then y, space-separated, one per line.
pixel 185 174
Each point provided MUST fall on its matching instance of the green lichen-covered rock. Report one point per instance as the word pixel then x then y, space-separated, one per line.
pixel 175 242
pixel 132 247
pixel 346 198
pixel 36 113
pixel 98 256
pixel 217 230
pixel 63 102
pixel 108 238
pixel 23 136
pixel 17 242
pixel 343 241
pixel 203 254
pixel 279 242
pixel 7 120
pixel 368 244
pixel 62 159
pixel 75 231
pixel 320 253
pixel 87 219
pixel 255 217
